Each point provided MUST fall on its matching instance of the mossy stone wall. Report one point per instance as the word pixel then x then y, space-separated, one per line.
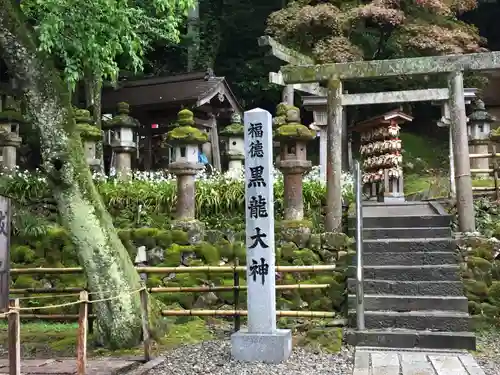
pixel 172 247
pixel 481 276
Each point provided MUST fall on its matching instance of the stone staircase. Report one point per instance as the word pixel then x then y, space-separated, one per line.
pixel 412 290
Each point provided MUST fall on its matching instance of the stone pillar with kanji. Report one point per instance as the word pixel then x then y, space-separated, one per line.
pixel 186 139
pixel 478 129
pixel 235 146
pixel 90 135
pixel 293 137
pixel 122 130
pixel 10 120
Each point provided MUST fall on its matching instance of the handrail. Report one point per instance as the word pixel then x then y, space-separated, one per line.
pixel 360 302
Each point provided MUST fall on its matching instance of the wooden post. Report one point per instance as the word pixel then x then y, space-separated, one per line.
pixel 236 295
pixel 333 217
pixel 5 216
pixel 81 348
pixel 463 181
pixel 214 140
pixel 145 325
pixel 14 339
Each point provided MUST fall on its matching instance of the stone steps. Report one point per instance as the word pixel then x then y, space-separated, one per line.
pixel 409 288
pixel 388 233
pixel 403 303
pixel 393 245
pixel 444 272
pixel 414 296
pixel 406 338
pixel 431 320
pixel 410 258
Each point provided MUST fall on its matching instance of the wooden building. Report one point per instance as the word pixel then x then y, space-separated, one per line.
pixel 155 103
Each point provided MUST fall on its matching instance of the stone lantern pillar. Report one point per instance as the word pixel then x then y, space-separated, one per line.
pixel 186 139
pixel 122 139
pixel 293 162
pixel 10 120
pixel 478 129
pixel 90 135
pixel 235 147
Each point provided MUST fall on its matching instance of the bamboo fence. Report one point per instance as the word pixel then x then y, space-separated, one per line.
pixel 236 313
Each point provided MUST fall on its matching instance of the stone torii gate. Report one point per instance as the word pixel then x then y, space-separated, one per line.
pixel 335 74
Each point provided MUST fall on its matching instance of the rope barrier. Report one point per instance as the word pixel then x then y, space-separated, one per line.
pixel 73 302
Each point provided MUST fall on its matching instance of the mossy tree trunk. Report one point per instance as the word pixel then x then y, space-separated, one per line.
pixel 107 264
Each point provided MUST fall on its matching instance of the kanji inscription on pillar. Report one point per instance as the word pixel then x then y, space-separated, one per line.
pixel 259 204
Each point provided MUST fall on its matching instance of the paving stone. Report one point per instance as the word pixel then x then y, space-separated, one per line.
pixel 416 364
pixel 447 365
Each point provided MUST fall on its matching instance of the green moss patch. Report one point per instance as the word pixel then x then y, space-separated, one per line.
pixel 293 131
pixel 187 135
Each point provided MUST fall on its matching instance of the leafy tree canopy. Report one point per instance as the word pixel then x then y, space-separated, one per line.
pixel 97 37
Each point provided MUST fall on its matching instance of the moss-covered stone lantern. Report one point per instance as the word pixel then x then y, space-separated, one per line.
pixel 10 120
pixel 293 162
pixel 235 148
pixel 478 129
pixel 122 134
pixel 186 139
pixel 90 135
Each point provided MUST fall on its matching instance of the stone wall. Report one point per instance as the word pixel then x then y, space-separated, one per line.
pixel 481 275
pixel 173 247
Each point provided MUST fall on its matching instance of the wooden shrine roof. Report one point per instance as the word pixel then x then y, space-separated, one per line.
pixel 385 119
pixel 192 89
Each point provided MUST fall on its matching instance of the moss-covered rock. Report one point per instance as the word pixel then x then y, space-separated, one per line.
pixel 327 339
pixel 476 290
pixel 296 231
pixel 306 256
pixel 335 241
pixel 294 131
pixel 208 252
pixel 314 242
pixel 480 263
pixel 187 135
pixel 494 293
pixel 22 254
pixel 287 251
pixel 179 237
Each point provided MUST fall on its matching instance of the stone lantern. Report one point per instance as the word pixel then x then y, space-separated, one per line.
pixel 293 162
pixel 478 128
pixel 90 135
pixel 121 130
pixel 10 120
pixel 235 147
pixel 186 139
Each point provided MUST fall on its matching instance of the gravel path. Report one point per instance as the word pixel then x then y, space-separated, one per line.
pixel 214 358
pixel 488 354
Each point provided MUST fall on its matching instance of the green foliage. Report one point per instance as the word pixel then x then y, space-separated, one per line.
pixel 96 35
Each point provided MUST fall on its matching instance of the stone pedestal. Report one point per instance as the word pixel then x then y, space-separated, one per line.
pixel 185 172
pixel 187 139
pixel 272 348
pixel 293 171
pixel 123 156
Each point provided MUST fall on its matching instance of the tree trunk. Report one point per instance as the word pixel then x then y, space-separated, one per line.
pixel 107 265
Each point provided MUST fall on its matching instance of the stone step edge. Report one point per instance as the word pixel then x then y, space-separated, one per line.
pixel 417 239
pixel 420 267
pixel 403 296
pixel 418 313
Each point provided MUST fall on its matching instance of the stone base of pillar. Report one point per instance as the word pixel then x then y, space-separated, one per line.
pixel 273 348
